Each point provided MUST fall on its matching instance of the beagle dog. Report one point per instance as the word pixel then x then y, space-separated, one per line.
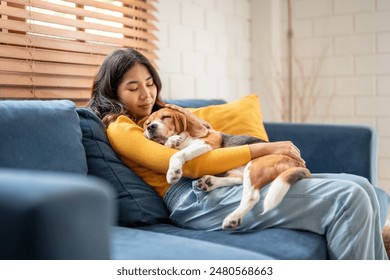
pixel 177 128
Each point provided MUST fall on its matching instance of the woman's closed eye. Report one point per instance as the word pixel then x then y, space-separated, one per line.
pixel 150 84
pixel 132 86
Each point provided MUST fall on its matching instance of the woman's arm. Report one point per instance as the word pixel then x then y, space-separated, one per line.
pixel 127 139
pixel 281 147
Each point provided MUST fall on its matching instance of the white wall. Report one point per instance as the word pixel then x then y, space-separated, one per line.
pixel 229 48
pixel 349 42
pixel 204 48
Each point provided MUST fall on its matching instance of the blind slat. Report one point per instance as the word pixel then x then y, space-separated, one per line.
pixel 16 93
pixel 48 55
pixel 37 80
pixel 79 95
pixel 55 44
pixel 28 66
pixel 83 94
pixel 140 4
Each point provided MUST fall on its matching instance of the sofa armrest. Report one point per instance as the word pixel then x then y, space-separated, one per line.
pixel 332 148
pixel 49 215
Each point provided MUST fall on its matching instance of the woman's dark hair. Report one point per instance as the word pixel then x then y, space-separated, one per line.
pixel 105 100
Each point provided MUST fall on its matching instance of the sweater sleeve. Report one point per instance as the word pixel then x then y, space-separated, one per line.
pixel 128 140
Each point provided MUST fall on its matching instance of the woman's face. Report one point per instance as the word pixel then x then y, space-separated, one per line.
pixel 137 91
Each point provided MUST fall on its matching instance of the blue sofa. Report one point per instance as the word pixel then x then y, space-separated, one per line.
pixel 65 194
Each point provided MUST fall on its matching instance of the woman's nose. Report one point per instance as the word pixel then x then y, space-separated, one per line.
pixel 144 92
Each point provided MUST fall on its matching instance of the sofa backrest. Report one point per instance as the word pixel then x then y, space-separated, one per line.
pixel 41 135
pixel 332 148
pixel 194 103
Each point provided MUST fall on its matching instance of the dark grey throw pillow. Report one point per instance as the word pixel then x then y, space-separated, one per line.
pixel 139 204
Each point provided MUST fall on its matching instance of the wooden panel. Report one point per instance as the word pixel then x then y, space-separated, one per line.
pixel 73 22
pixel 73 34
pixel 84 13
pixel 56 55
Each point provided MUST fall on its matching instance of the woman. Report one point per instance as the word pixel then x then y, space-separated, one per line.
pixel 344 208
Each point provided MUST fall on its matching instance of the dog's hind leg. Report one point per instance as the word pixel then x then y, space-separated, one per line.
pixel 232 177
pixel 250 196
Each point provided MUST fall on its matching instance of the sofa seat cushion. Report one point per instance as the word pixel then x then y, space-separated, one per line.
pixel 41 135
pixel 276 243
pixel 136 244
pixel 138 203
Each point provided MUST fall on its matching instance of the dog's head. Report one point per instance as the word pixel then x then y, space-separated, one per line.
pixel 162 124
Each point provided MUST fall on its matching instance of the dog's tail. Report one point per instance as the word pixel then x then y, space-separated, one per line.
pixel 280 186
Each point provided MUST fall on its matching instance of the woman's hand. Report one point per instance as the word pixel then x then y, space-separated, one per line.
pixel 277 148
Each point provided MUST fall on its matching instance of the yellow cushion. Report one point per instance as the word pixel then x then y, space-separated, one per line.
pixel 238 117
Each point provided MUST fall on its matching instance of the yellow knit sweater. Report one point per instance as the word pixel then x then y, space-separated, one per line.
pixel 150 160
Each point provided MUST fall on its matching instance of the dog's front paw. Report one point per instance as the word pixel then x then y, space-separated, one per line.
pixel 231 222
pixel 173 141
pixel 205 183
pixel 174 174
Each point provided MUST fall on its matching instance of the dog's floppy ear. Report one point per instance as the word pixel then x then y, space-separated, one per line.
pixel 195 128
pixel 191 125
pixel 142 121
pixel 188 114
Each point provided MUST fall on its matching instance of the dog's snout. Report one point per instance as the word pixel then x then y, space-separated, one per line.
pixel 152 127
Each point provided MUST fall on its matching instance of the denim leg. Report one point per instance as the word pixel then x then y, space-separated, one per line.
pixel 379 216
pixel 336 207
pixel 371 190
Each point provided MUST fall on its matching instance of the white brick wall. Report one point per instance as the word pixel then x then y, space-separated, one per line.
pixel 229 48
pixel 352 38
pixel 204 48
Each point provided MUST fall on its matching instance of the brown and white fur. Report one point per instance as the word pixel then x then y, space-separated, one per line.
pixel 182 130
pixel 386 236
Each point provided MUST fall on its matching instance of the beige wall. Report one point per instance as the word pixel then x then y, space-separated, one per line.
pixel 229 48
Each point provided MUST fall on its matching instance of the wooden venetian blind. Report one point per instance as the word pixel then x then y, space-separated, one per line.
pixel 51 49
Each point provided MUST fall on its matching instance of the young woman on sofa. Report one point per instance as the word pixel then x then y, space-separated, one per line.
pixel 344 208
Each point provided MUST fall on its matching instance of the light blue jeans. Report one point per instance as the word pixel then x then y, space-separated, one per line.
pixel 342 207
